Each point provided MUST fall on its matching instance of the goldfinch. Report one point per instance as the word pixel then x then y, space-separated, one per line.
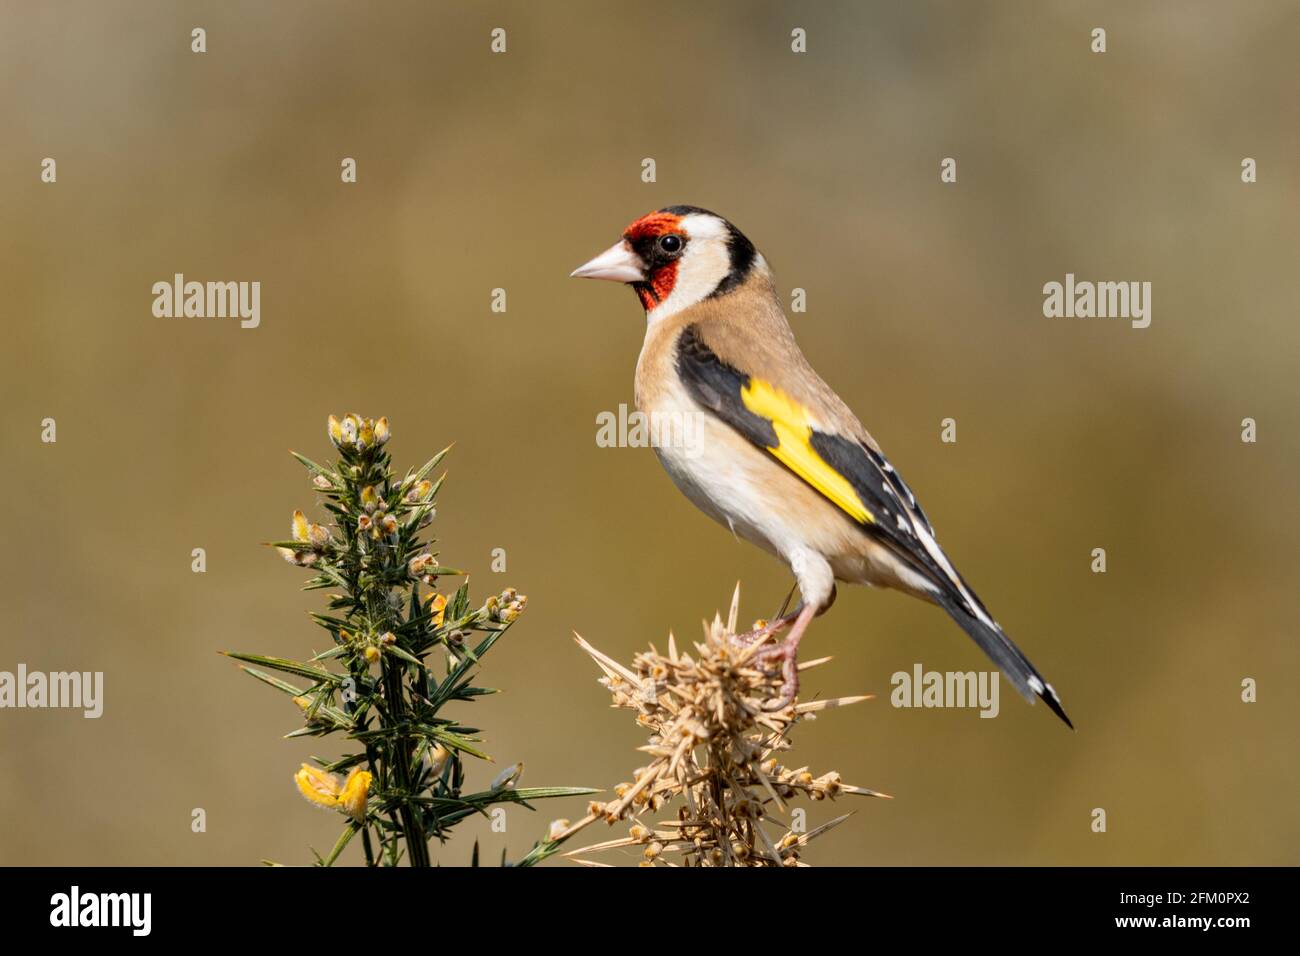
pixel 777 456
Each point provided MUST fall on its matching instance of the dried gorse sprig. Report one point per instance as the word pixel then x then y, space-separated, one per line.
pixel 716 756
pixel 405 782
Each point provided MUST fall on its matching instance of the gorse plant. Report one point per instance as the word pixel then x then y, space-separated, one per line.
pixel 379 684
pixel 716 758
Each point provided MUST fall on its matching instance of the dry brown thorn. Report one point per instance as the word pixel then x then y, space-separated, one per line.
pixel 712 749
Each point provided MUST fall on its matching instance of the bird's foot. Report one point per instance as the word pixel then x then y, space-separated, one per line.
pixel 787 653
pixel 762 631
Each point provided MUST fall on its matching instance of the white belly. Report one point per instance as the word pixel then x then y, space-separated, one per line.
pixel 745 490
pixel 738 486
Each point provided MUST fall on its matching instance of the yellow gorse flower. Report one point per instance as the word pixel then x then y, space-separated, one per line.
pixel 356 788
pixel 329 791
pixel 320 788
pixel 438 608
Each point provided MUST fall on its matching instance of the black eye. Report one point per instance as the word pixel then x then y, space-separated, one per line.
pixel 670 243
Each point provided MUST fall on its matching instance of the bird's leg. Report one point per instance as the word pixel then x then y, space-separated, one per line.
pixel 787 652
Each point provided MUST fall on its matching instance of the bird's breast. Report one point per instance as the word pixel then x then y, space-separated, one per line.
pixel 732 480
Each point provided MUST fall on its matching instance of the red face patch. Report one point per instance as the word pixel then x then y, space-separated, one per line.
pixel 651 226
pixel 641 236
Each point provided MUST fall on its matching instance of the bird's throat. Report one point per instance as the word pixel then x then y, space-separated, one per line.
pixel 658 288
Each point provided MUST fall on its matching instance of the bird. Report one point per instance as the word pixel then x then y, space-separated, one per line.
pixel 776 455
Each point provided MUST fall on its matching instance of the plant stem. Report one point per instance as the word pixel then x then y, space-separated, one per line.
pixel 417 844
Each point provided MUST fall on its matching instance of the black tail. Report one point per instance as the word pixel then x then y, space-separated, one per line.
pixel 1005 654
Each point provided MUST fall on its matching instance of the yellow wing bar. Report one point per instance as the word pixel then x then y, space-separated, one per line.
pixel 794 448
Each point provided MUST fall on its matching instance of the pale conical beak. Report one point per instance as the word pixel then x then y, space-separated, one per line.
pixel 618 263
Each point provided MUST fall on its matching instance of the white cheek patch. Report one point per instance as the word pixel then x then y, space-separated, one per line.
pixel 704 264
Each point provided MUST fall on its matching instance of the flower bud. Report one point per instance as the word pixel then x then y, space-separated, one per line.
pixel 507 778
pixel 420 563
pixel 371 654
pixel 336 432
pixel 420 492
pixel 437 758
pixel 830 783
pixel 300 526
pixel 381 431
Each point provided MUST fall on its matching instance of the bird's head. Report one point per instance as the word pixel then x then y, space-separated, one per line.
pixel 676 257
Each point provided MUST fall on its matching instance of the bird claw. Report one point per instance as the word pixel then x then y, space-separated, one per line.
pixel 748 639
pixel 788 653
pixel 778 704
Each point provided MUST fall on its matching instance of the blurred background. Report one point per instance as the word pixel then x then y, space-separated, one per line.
pixel 478 171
